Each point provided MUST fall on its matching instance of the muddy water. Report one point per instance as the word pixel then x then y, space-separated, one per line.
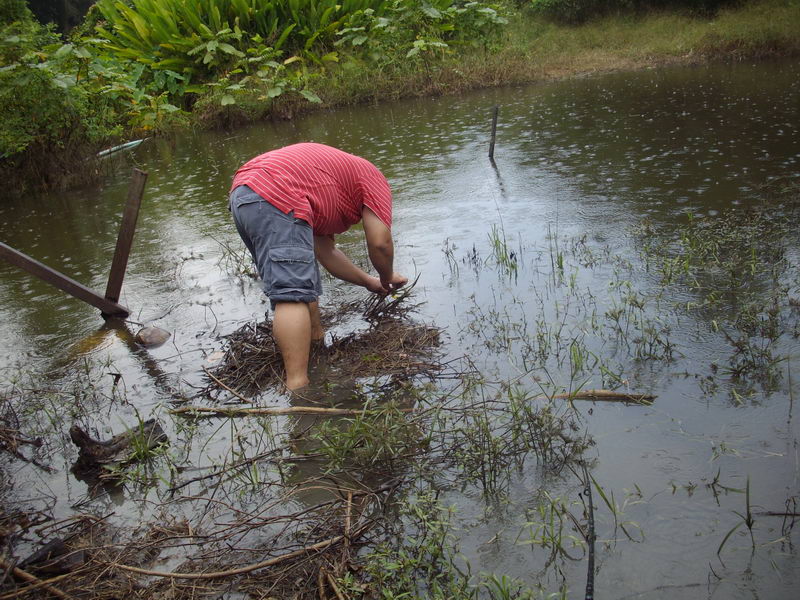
pixel 580 166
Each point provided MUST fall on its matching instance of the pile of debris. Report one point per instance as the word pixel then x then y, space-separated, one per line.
pixel 392 345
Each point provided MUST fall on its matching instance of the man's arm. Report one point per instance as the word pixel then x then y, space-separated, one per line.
pixel 381 250
pixel 337 264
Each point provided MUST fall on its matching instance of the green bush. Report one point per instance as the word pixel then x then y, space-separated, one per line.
pixel 246 52
pixel 415 30
pixel 51 115
pixel 14 10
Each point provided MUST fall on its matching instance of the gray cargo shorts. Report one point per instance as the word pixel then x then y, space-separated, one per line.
pixel 281 246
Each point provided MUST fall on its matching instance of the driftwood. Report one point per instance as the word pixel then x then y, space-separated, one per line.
pixel 122 449
pixel 54 558
pixel 608 396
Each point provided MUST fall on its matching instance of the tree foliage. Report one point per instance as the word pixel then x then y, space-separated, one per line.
pixel 134 66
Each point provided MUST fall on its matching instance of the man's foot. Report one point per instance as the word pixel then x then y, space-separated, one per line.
pixel 296 383
pixel 308 395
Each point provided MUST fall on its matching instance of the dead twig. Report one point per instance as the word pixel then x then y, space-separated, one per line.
pixel 334 587
pixel 321 584
pixel 347 519
pixel 377 308
pixel 222 385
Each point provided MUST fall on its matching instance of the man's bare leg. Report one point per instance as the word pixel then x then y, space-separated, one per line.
pixel 292 330
pixel 317 332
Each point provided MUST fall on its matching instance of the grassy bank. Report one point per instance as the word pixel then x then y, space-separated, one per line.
pixel 536 50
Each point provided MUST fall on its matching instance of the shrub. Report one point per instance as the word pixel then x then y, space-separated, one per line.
pixel 49 113
pixel 14 10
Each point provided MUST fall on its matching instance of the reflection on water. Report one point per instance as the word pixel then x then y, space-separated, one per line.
pixel 579 166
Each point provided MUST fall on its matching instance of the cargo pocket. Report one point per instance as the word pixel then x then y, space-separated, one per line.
pixel 292 268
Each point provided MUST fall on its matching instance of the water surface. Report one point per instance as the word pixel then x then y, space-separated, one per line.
pixel 579 166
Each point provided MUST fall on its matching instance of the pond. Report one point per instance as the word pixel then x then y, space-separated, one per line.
pixel 635 232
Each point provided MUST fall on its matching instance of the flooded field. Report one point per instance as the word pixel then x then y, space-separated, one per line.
pixel 636 234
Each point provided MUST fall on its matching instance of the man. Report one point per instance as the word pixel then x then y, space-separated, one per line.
pixel 287 205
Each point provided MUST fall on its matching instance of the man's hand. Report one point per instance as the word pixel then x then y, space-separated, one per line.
pixel 394 282
pixel 374 285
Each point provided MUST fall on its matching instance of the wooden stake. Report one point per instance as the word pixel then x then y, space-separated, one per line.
pixel 125 238
pixel 62 282
pixel 494 131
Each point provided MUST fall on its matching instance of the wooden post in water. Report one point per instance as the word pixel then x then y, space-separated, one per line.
pixel 125 238
pixel 494 132
pixel 62 282
pixel 109 305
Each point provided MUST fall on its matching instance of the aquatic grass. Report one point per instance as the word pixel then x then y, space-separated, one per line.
pixel 548 526
pixel 495 432
pixel 422 561
pixel 505 258
pixel 449 249
pixel 747 520
pixel 617 510
pixel 382 438
pixel 235 259
pixel 736 266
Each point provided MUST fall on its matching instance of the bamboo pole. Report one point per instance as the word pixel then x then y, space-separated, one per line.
pixel 277 411
pixel 607 395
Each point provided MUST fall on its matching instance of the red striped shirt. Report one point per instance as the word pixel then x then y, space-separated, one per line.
pixel 324 186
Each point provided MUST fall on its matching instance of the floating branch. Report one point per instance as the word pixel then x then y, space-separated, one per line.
pixel 608 396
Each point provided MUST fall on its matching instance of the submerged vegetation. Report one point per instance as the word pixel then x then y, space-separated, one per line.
pixel 139 67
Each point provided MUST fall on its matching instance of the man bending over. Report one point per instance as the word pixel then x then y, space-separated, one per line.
pixel 287 205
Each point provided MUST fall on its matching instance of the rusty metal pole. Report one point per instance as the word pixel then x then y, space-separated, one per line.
pixel 125 238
